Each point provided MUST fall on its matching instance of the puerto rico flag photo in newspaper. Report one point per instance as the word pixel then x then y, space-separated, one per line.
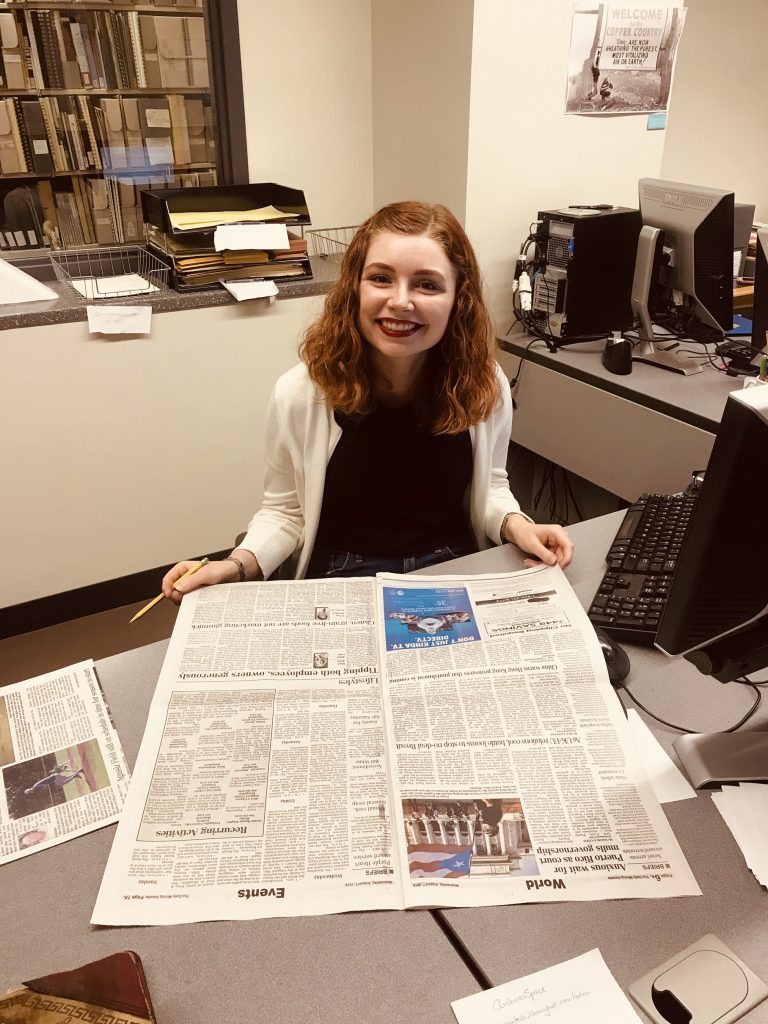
pixel 434 860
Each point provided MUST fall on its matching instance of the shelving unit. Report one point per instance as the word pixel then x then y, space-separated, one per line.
pixel 98 101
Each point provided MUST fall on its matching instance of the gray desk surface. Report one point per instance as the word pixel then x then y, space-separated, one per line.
pixel 698 399
pixel 635 935
pixel 391 966
pixel 371 967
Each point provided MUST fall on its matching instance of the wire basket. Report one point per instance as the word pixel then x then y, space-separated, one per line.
pixel 112 272
pixel 326 242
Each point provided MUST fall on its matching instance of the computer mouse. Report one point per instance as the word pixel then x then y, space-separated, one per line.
pixel 616 658
pixel 617 355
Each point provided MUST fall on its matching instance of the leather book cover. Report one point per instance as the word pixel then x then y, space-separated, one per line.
pixel 110 990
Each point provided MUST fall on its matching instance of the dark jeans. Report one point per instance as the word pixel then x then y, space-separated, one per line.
pixel 326 563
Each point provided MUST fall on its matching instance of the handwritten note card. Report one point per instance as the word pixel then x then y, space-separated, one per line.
pixel 119 319
pixel 579 991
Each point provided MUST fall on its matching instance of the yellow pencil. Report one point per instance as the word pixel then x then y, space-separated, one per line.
pixel 159 597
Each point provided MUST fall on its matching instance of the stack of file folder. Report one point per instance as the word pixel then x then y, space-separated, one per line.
pixel 203 233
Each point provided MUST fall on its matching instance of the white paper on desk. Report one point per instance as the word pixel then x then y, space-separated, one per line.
pixel 251 236
pixel 16 286
pixel 251 289
pixel 579 991
pixel 666 779
pixel 744 809
pixel 112 287
pixel 119 319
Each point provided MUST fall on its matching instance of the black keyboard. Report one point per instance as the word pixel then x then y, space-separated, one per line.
pixel 641 565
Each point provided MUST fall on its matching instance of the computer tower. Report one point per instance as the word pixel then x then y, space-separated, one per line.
pixel 584 269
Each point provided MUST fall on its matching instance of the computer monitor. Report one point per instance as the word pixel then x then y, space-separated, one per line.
pixel 698 226
pixel 717 611
pixel 760 301
pixel 684 267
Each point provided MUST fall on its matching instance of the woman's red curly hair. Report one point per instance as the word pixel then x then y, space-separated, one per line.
pixel 458 386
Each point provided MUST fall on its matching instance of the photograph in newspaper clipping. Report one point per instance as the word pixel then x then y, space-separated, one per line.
pixel 62 769
pixel 512 770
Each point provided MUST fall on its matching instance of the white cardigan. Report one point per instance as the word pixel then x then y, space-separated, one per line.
pixel 301 435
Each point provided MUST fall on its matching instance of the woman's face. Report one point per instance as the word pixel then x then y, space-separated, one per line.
pixel 407 291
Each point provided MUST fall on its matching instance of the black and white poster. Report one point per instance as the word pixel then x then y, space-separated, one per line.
pixel 622 58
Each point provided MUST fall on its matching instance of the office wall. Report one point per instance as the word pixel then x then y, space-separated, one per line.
pixel 716 132
pixel 307 86
pixel 120 455
pixel 525 154
pixel 421 86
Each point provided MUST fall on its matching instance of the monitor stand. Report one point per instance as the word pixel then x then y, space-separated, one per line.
pixel 714 758
pixel 647 266
pixel 646 352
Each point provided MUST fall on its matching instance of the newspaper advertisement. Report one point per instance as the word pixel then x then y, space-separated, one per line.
pixel 322 746
pixel 513 775
pixel 62 766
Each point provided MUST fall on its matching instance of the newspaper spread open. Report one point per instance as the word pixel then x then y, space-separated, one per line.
pixel 352 744
pixel 62 767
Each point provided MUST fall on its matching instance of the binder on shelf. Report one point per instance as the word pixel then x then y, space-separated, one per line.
pixel 37 136
pixel 102 218
pixel 155 119
pixel 70 67
pixel 172 51
pixel 182 155
pixel 117 154
pixel 134 137
pixel 149 49
pixel 198 146
pixel 13 62
pixel 196 49
pixel 11 156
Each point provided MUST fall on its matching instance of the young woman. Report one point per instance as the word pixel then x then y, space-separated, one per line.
pixel 387 446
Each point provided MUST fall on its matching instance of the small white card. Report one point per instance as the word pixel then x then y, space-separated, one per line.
pixel 251 289
pixel 250 236
pixel 119 319
pixel 579 991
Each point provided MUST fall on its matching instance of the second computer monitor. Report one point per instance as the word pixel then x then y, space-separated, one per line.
pixel 698 238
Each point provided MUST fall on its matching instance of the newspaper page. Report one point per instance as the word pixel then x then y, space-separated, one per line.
pixel 63 768
pixel 261 786
pixel 512 767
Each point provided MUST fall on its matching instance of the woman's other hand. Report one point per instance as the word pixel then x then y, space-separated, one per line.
pixel 544 542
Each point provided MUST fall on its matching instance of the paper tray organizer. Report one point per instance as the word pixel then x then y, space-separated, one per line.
pixel 158 206
pixel 110 272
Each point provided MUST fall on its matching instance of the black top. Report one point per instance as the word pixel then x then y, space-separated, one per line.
pixel 394 489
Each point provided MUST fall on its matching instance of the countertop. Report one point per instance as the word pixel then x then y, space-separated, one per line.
pixel 71 307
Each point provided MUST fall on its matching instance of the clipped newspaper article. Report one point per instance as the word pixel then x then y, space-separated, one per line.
pixel 63 768
pixel 321 746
